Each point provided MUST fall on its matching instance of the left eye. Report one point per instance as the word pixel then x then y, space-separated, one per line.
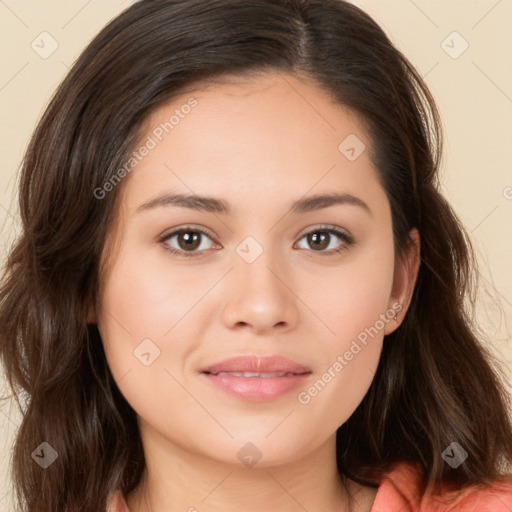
pixel 190 241
pixel 321 237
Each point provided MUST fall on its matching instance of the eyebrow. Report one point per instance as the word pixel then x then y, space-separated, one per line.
pixel 214 205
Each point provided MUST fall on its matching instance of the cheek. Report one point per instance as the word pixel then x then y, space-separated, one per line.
pixel 355 309
pixel 145 296
pixel 138 309
pixel 356 293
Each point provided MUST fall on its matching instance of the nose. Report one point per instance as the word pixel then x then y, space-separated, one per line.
pixel 260 296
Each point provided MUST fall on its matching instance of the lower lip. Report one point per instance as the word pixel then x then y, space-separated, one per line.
pixel 257 389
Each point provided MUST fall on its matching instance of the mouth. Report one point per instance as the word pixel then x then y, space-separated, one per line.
pixel 259 375
pixel 257 379
pixel 261 365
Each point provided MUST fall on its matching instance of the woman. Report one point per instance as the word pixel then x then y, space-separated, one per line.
pixel 238 285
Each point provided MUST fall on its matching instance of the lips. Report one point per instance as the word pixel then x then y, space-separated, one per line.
pixel 257 379
pixel 254 366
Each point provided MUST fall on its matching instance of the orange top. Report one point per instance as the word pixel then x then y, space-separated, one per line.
pixel 398 492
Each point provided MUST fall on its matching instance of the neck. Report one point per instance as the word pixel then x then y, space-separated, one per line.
pixel 176 479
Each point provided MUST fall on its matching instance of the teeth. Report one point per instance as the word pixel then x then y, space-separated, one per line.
pixel 255 374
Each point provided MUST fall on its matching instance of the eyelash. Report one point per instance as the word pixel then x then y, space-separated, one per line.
pixel 347 239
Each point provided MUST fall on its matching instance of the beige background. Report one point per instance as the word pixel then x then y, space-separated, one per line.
pixel 473 89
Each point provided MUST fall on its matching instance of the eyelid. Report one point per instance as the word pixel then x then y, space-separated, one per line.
pixel 324 227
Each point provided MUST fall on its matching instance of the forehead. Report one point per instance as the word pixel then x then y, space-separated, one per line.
pixel 261 101
pixel 239 137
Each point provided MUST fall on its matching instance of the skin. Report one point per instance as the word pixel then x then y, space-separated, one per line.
pixel 259 143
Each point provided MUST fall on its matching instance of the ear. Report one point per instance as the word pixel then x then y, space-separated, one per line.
pixel 404 279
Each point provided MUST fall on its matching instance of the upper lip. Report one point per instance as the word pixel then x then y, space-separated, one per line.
pixel 260 364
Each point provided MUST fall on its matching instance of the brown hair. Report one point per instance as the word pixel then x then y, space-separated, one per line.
pixel 436 382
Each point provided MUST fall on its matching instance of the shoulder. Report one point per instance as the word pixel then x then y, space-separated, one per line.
pixel 117 503
pixel 399 490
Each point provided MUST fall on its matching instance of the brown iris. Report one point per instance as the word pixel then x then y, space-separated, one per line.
pixel 319 236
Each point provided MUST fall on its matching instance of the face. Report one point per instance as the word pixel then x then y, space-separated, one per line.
pixel 259 270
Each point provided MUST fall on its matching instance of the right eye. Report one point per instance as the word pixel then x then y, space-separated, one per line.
pixel 188 240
